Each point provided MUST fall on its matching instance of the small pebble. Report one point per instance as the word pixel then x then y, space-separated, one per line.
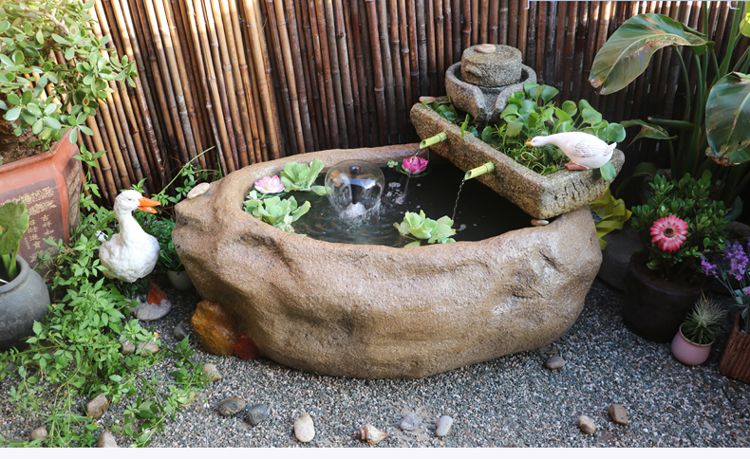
pixel 40 433
pixel 443 426
pixel 555 362
pixel 149 311
pixel 106 440
pixel 210 370
pixel 486 48
pixel 619 414
pixel 257 414
pixel 539 222
pixel 98 406
pixel 409 422
pixel 127 347
pixel 231 406
pixel 428 99
pixel 150 347
pixel 586 424
pixel 181 331
pixel 198 190
pixel 304 429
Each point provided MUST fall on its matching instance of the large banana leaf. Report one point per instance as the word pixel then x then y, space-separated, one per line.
pixel 728 119
pixel 627 53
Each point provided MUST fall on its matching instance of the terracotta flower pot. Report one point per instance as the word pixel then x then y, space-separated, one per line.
pixel 687 351
pixel 22 301
pixel 735 361
pixel 653 308
pixel 50 185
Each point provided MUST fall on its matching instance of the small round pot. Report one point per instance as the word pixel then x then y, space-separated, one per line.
pixel 653 308
pixel 180 279
pixel 688 352
pixel 22 301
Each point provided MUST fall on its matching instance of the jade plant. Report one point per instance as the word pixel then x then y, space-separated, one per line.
pixel 14 221
pixel 53 69
pixel 275 211
pixel 301 177
pixel 426 229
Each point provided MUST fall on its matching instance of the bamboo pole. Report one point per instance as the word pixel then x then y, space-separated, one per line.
pixel 514 24
pixel 424 81
pixel 591 45
pixel 456 8
pixel 556 41
pixel 330 122
pixel 492 26
pixel 448 52
pixel 111 180
pixel 378 87
pixel 522 30
pixel 414 55
pixel 390 93
pixel 605 13
pixel 484 14
pixel 475 22
pixel 440 46
pixel 254 102
pixel 328 23
pixel 370 82
pixel 355 74
pixel 299 74
pixel 570 51
pixel 580 50
pixel 333 92
pixel 398 79
pixel 406 53
pixel 541 30
pixel 431 53
pixel 338 28
pixel 319 136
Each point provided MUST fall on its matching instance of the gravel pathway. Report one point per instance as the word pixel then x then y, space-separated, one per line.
pixel 508 401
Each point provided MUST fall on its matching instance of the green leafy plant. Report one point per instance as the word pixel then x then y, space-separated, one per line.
pixel 716 123
pixel 76 353
pixel 42 93
pixel 425 229
pixel 703 321
pixel 688 200
pixel 14 221
pixel 275 211
pixel 301 177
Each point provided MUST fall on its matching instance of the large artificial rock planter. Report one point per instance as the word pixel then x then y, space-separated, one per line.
pixel 539 196
pixel 23 300
pixel 372 311
pixel 50 185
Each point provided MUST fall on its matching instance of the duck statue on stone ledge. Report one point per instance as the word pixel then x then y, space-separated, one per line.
pixel 131 255
pixel 585 151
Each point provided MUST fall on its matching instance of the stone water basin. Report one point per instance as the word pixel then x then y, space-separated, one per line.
pixel 370 311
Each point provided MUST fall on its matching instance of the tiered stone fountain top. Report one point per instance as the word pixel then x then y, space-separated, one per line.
pixel 485 78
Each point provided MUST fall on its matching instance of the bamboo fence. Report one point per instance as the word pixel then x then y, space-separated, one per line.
pixel 254 80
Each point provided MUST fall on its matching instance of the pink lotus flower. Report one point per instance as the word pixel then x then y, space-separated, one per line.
pixel 269 185
pixel 414 164
pixel 669 233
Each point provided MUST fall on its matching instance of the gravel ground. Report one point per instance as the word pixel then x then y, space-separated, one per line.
pixel 511 401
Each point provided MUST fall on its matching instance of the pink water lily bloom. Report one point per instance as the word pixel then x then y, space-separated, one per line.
pixel 414 164
pixel 669 233
pixel 269 185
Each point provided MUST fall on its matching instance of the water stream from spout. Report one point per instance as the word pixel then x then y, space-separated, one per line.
pixel 458 196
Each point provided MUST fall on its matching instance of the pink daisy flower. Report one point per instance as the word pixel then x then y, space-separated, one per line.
pixel 669 233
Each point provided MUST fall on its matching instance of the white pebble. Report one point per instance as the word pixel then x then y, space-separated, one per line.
pixel 304 429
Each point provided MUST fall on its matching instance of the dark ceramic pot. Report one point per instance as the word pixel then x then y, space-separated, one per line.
pixel 22 301
pixel 654 308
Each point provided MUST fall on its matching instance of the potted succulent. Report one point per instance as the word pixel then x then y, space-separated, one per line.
pixel 715 129
pixel 23 296
pixel 53 69
pixel 692 343
pixel 728 266
pixel 679 223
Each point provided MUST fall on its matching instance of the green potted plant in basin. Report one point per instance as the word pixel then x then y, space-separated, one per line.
pixel 714 133
pixel 23 296
pixel 53 71
pixel 730 267
pixel 692 343
pixel 678 224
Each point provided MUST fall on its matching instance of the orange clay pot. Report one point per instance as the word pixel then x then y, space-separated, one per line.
pixel 50 185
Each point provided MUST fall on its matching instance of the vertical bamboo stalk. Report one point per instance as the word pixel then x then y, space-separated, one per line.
pixel 370 72
pixel 354 73
pixel 333 115
pixel 580 50
pixel 539 42
pixel 398 79
pixel 556 41
pixel 111 180
pixel 310 74
pixel 475 22
pixel 523 18
pixel 424 81
pixel 330 122
pixel 502 37
pixel 515 23
pixel 591 45
pixel 372 20
pixel 406 53
pixel 339 31
pixel 390 93
pixel 456 8
pixel 414 56
pixel 264 123
pixel 484 14
pixel 431 54
pixel 494 12
pixel 448 53
pixel 440 46
pixel 570 50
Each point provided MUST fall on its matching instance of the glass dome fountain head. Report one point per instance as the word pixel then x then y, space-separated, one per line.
pixel 355 187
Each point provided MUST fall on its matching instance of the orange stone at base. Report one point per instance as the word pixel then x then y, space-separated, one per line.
pixel 215 328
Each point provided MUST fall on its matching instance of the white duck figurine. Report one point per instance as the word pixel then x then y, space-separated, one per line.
pixel 585 151
pixel 132 253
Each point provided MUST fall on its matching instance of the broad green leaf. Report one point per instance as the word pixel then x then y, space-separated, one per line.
pixel 73 136
pixel 648 130
pixel 13 114
pixel 14 218
pixel 745 24
pixel 608 171
pixel 728 119
pixel 60 39
pixel 627 53
pixel 52 122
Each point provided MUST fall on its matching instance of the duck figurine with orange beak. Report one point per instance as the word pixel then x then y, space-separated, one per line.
pixel 132 253
pixel 585 151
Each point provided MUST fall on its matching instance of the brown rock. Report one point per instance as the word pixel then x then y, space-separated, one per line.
pixel 98 406
pixel 127 347
pixel 214 327
pixel 40 433
pixel 586 424
pixel 370 311
pixel 210 370
pixel 106 440
pixel 619 414
pixel 147 348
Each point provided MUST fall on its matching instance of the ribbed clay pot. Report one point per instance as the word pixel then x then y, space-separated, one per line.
pixel 687 351
pixel 22 301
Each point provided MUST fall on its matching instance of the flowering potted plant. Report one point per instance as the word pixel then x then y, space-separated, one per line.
pixel 677 225
pixel 692 343
pixel 731 265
